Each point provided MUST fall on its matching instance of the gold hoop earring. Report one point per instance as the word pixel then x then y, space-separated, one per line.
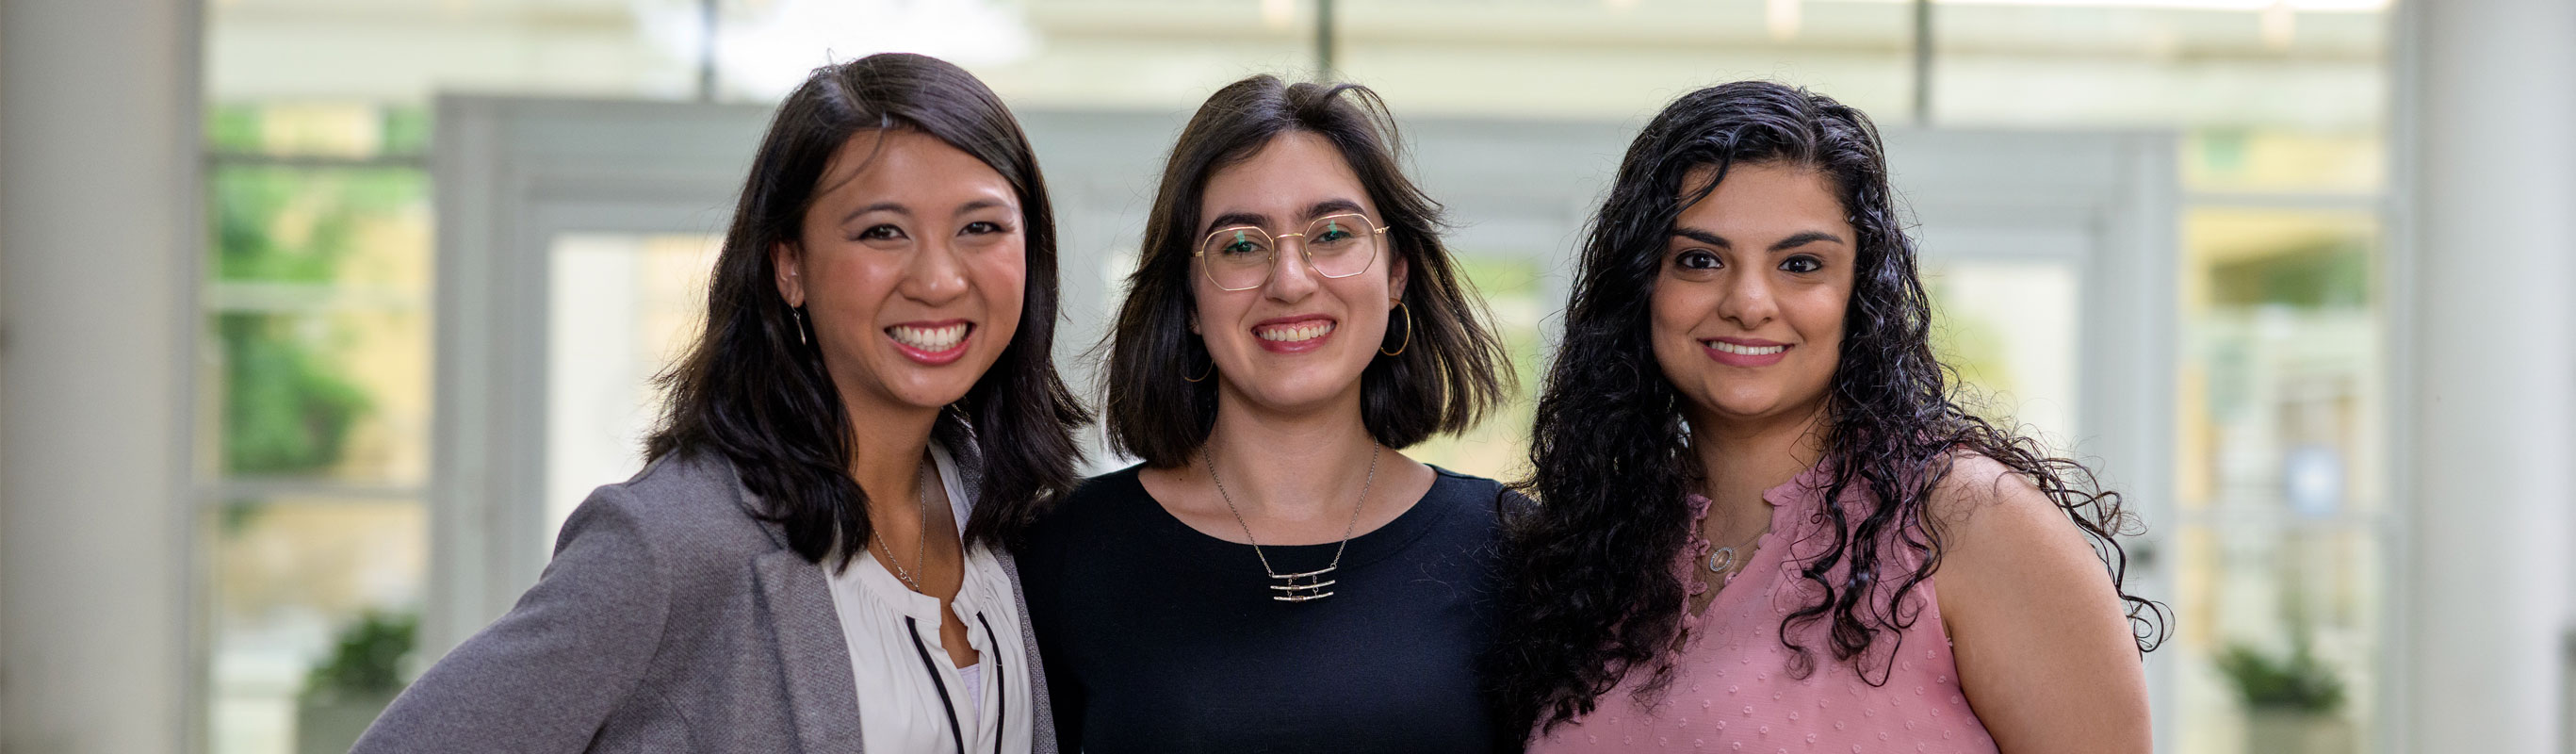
pixel 1408 331
pixel 1204 374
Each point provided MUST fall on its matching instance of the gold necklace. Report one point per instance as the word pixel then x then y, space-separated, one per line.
pixel 920 539
pixel 1297 587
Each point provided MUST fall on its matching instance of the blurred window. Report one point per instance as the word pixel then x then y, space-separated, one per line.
pixel 2283 513
pixel 313 435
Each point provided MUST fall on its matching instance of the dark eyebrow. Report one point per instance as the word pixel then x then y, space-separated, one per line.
pixel 981 204
pixel 1257 220
pixel 1804 238
pixel 1334 207
pixel 877 207
pixel 1237 218
pixel 1703 236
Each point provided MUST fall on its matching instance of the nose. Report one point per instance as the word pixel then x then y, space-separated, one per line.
pixel 1291 278
pixel 934 275
pixel 1747 300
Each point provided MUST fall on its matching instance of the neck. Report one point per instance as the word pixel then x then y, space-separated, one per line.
pixel 1746 456
pixel 1291 465
pixel 886 452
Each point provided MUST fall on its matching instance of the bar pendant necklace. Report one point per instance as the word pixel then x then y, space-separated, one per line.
pixel 1298 587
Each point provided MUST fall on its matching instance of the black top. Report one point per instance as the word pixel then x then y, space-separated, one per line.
pixel 1160 638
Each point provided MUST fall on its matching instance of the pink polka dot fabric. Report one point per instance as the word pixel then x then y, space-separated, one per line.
pixel 1734 688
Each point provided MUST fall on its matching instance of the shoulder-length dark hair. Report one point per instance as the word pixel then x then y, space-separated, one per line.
pixel 752 391
pixel 1592 594
pixel 1445 380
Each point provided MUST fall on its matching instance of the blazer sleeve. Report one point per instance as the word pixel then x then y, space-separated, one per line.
pixel 544 677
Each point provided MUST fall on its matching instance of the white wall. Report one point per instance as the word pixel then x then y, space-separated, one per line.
pixel 97 232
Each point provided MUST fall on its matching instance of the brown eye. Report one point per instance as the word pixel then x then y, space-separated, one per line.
pixel 1801 264
pixel 982 227
pixel 879 233
pixel 1696 259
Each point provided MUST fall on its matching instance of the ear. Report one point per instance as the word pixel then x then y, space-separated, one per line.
pixel 787 263
pixel 1397 272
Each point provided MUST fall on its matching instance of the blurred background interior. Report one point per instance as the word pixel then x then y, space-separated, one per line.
pixel 321 314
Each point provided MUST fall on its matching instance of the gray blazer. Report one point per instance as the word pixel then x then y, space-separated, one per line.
pixel 670 620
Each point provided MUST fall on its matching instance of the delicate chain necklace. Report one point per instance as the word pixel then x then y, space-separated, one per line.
pixel 1298 587
pixel 920 539
pixel 1725 560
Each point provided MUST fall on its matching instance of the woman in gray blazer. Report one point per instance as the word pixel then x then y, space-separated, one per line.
pixel 812 559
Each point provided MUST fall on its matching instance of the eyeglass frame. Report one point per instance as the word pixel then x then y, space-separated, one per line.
pixel 1304 252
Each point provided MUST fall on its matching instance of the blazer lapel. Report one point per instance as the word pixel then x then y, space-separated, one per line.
pixel 821 696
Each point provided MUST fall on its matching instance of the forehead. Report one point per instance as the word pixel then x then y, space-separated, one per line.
pixel 909 166
pixel 1283 179
pixel 1758 199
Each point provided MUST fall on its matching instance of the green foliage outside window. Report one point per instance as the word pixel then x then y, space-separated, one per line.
pixel 2298 682
pixel 290 232
pixel 2332 273
pixel 367 660
pixel 286 409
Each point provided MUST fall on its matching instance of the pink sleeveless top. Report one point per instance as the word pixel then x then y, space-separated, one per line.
pixel 1733 689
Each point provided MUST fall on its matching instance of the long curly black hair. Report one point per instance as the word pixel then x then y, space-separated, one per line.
pixel 1591 592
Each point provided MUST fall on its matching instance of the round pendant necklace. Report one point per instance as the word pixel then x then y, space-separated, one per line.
pixel 1722 560
pixel 1731 559
pixel 1297 587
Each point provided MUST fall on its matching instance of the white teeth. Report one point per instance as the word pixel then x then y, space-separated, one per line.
pixel 932 339
pixel 1296 332
pixel 1746 350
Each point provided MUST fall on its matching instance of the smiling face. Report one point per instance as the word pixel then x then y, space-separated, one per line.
pixel 1299 339
pixel 1748 305
pixel 911 265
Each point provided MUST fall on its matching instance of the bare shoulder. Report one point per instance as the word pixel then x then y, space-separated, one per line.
pixel 1994 520
pixel 2037 626
pixel 1982 495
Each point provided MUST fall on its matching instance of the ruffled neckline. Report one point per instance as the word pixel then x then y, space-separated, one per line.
pixel 1792 495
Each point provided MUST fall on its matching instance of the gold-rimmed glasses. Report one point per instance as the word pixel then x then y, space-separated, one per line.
pixel 1239 257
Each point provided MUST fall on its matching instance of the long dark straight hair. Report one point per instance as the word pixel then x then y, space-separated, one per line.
pixel 752 391
pixel 1592 596
pixel 1449 373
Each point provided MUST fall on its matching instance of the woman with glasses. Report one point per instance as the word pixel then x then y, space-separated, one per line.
pixel 1764 523
pixel 810 560
pixel 1277 575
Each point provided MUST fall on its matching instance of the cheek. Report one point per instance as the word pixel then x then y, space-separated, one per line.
pixel 1210 314
pixel 843 280
pixel 1675 308
pixel 1818 316
pixel 1003 276
pixel 1365 295
pixel 1819 321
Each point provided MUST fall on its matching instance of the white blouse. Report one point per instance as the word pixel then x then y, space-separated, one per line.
pixel 912 698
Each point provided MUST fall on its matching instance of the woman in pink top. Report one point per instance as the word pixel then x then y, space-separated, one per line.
pixel 1764 526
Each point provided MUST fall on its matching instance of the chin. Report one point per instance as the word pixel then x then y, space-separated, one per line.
pixel 1746 407
pixel 1290 394
pixel 932 391
pixel 931 397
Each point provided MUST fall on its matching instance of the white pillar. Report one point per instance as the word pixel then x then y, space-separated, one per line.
pixel 2491 106
pixel 98 119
